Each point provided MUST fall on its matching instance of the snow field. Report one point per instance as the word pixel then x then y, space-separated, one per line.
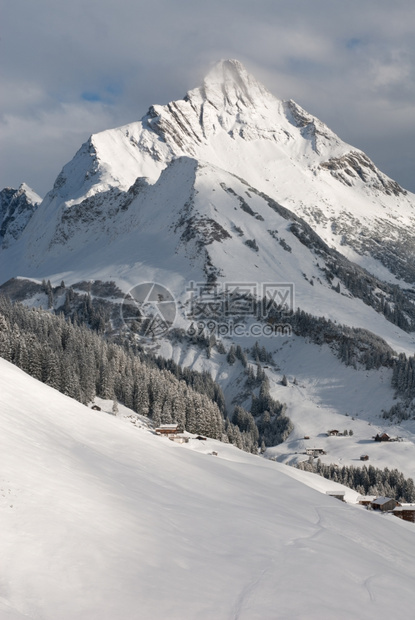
pixel 103 519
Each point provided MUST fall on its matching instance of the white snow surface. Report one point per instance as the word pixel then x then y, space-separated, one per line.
pixel 102 519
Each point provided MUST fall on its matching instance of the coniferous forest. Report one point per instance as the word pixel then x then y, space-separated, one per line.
pixel 80 363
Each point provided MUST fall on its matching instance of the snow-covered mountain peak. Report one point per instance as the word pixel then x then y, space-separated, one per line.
pixel 233 123
pixel 229 100
pixel 230 105
pixel 229 121
pixel 229 84
pixel 31 195
pixel 23 190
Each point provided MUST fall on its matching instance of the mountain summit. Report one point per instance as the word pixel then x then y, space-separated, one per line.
pixel 229 84
pixel 233 125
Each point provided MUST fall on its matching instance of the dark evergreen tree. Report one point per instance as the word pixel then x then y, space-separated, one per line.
pixel 231 357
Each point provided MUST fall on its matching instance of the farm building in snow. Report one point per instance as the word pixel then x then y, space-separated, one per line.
pixel 167 429
pixel 384 504
pixel 405 512
pixel 366 500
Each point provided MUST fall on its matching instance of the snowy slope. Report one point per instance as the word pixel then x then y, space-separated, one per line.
pixel 104 519
pixel 196 221
pixel 322 394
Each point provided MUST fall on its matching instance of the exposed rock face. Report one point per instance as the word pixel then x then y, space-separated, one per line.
pixel 16 208
pixel 356 165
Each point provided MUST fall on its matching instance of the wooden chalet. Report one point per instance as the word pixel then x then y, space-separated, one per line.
pixel 382 437
pixel 333 433
pixel 405 512
pixel 366 500
pixel 96 408
pixel 364 457
pixel 315 451
pixel 384 504
pixel 167 429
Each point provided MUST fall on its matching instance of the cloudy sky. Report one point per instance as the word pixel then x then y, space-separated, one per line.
pixel 69 69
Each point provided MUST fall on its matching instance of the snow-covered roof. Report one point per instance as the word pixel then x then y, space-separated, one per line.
pixel 382 500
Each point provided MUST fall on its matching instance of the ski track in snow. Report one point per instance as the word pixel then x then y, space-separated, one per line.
pixel 242 605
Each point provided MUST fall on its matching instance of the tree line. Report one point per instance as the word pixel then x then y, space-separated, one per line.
pixel 366 480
